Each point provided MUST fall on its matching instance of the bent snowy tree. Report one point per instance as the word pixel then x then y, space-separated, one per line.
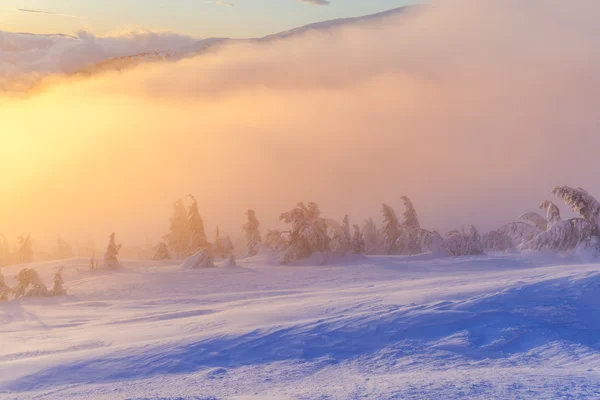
pixel 565 235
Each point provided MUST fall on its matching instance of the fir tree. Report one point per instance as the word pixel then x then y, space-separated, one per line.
pixel 411 220
pixel 198 238
pixel 112 250
pixel 391 229
pixel 253 238
pixel 358 244
pixel 178 238
pixel 552 211
pixel 58 289
pixel 308 232
pixel 371 237
pixel 25 249
pixel 161 252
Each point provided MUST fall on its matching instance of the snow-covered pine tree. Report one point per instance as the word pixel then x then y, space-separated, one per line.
pixel 341 237
pixel 223 246
pixel 371 237
pixel 251 230
pixel 308 232
pixel 566 235
pixel 275 241
pixel 29 277
pixel 112 250
pixel 465 243
pixel 410 236
pixel 178 238
pixel 535 219
pixel 198 238
pixel 25 249
pixel 552 211
pixel 5 253
pixel 358 243
pixel 64 251
pixel 391 229
pixel 58 289
pixel 161 252
pixel 4 288
pixel 496 241
pixel 582 203
pixel 411 220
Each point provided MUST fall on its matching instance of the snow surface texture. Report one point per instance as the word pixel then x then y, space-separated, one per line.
pixel 484 327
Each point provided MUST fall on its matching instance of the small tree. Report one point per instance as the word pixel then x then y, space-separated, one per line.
pixel 358 244
pixel 253 238
pixel 308 232
pixel 223 246
pixel 161 252
pixel 198 238
pixel 371 237
pixel 391 228
pixel 552 211
pixel 58 289
pixel 178 238
pixel 25 249
pixel 26 278
pixel 112 250
pixel 4 289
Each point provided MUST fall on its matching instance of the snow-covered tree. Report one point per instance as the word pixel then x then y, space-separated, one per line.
pixel 275 241
pixel 5 290
pixel 58 289
pixel 496 241
pixel 178 238
pixel 582 203
pixel 203 258
pixel 5 253
pixel 464 243
pixel 161 252
pixel 253 238
pixel 535 219
pixel 358 243
pixel 110 256
pixel 198 238
pixel 25 250
pixel 561 235
pixel 552 211
pixel 410 237
pixel 566 235
pixel 64 251
pixel 371 237
pixel 411 220
pixel 391 228
pixel 341 237
pixel 308 232
pixel 29 277
pixel 223 246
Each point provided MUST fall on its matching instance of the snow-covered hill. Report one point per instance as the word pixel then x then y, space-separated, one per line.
pixel 501 326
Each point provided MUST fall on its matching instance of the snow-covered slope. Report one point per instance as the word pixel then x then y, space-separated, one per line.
pixel 383 327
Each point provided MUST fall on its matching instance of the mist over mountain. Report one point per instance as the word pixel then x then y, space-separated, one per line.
pixel 473 110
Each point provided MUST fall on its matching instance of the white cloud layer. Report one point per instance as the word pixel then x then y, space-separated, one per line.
pixel 474 109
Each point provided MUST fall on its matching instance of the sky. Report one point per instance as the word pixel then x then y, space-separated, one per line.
pixel 474 109
pixel 198 18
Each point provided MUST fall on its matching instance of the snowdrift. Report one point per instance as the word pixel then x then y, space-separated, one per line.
pixel 503 326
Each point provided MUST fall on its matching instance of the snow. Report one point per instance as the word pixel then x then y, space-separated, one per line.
pixel 524 325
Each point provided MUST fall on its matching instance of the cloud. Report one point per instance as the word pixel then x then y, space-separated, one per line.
pixel 317 2
pixel 29 10
pixel 473 109
pixel 224 3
